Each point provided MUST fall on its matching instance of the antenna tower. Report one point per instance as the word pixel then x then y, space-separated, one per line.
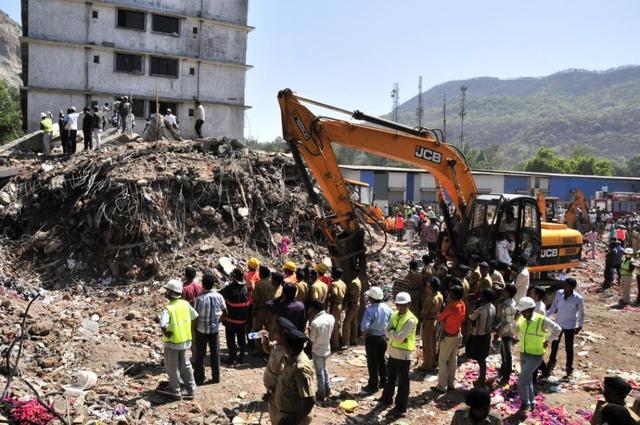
pixel 420 107
pixel 395 95
pixel 463 93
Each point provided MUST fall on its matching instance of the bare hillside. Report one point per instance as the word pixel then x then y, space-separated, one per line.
pixel 10 64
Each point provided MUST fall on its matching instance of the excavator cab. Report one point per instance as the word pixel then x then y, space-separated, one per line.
pixel 494 217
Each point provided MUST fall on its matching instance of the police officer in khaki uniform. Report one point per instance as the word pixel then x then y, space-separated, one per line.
pixel 294 398
pixel 336 299
pixel 352 307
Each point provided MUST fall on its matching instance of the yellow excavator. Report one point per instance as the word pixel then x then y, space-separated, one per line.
pixel 576 216
pixel 473 223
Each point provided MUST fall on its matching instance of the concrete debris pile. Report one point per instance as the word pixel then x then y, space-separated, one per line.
pixel 125 213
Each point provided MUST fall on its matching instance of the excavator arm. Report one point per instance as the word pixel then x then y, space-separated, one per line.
pixel 310 138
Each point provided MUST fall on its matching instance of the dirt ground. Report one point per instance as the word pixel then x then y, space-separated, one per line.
pixel 125 351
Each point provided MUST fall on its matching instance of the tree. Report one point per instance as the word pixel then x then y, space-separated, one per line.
pixel 10 115
pixel 546 161
pixel 633 166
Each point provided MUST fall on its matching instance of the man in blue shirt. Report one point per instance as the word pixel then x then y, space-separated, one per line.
pixel 209 305
pixel 568 307
pixel 374 322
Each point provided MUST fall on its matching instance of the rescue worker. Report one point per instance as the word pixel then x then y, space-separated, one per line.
pixel 401 332
pixel 263 292
pixel 123 110
pixel 318 290
pixel 294 395
pixel 431 306
pixel 352 307
pixel 46 125
pixel 415 279
pixel 336 300
pixel 373 326
pixel 452 317
pixel 175 322
pixel 273 345
pixel 534 330
pixel 236 296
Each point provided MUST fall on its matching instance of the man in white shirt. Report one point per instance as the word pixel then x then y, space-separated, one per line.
pixel 71 127
pixel 568 307
pixel 200 118
pixel 320 330
pixel 503 248
pixel 170 120
pixel 522 278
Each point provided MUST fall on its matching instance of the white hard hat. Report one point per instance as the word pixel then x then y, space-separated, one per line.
pixel 403 298
pixel 375 293
pixel 628 251
pixel 173 285
pixel 42 115
pixel 526 303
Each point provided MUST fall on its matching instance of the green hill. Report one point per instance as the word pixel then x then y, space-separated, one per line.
pixel 572 110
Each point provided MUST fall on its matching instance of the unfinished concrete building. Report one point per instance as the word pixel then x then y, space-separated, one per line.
pixel 83 53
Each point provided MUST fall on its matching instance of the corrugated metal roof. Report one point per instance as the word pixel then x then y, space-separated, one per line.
pixel 486 172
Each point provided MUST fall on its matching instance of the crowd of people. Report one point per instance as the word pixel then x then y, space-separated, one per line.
pixel 296 317
pixel 92 121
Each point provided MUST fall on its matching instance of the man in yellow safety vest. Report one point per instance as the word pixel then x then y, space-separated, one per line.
pixel 401 332
pixel 533 328
pixel 175 323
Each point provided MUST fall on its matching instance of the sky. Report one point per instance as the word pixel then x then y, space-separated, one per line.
pixel 350 53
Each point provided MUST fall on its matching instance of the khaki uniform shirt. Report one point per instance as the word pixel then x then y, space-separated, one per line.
pixel 303 290
pixel 483 283
pixel 338 292
pixel 473 277
pixel 416 285
pixel 353 293
pixel 431 306
pixel 274 367
pixel 318 291
pixel 461 417
pixel 441 271
pixel 428 272
pixel 264 291
pixel 295 383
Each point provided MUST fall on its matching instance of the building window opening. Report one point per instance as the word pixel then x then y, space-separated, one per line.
pixel 96 59
pixel 195 30
pixel 192 112
pixel 165 25
pixel 131 19
pixel 94 14
pixel 192 71
pixel 163 107
pixel 164 67
pixel 129 63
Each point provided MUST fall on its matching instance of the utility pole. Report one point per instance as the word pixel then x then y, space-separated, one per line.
pixel 420 108
pixel 444 115
pixel 395 95
pixel 463 93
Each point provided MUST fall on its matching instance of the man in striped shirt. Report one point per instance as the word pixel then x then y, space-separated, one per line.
pixel 208 305
pixel 236 297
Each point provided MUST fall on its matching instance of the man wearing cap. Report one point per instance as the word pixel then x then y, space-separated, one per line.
pixel 294 395
pixel 452 318
pixel 627 268
pixel 615 391
pixel 401 332
pixel 374 322
pixel 336 300
pixel 272 343
pixel 431 306
pixel 478 412
pixel 320 328
pixel 568 307
pixel 318 290
pixel 289 270
pixel 175 322
pixel 352 307
pixel 46 125
pixel 533 329
pixel 236 296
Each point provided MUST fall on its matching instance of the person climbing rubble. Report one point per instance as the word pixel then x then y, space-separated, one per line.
pixel 175 322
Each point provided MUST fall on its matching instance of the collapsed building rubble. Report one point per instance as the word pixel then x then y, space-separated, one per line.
pixel 127 212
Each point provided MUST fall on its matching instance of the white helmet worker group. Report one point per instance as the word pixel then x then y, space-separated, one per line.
pixel 375 293
pixel 174 286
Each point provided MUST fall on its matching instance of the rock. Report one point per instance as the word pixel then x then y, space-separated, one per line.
pixel 208 211
pixel 5 304
pixel 133 314
pixel 49 362
pixel 5 199
pixel 41 328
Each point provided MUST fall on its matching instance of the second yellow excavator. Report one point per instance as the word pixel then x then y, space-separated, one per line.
pixel 473 227
pixel 576 215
